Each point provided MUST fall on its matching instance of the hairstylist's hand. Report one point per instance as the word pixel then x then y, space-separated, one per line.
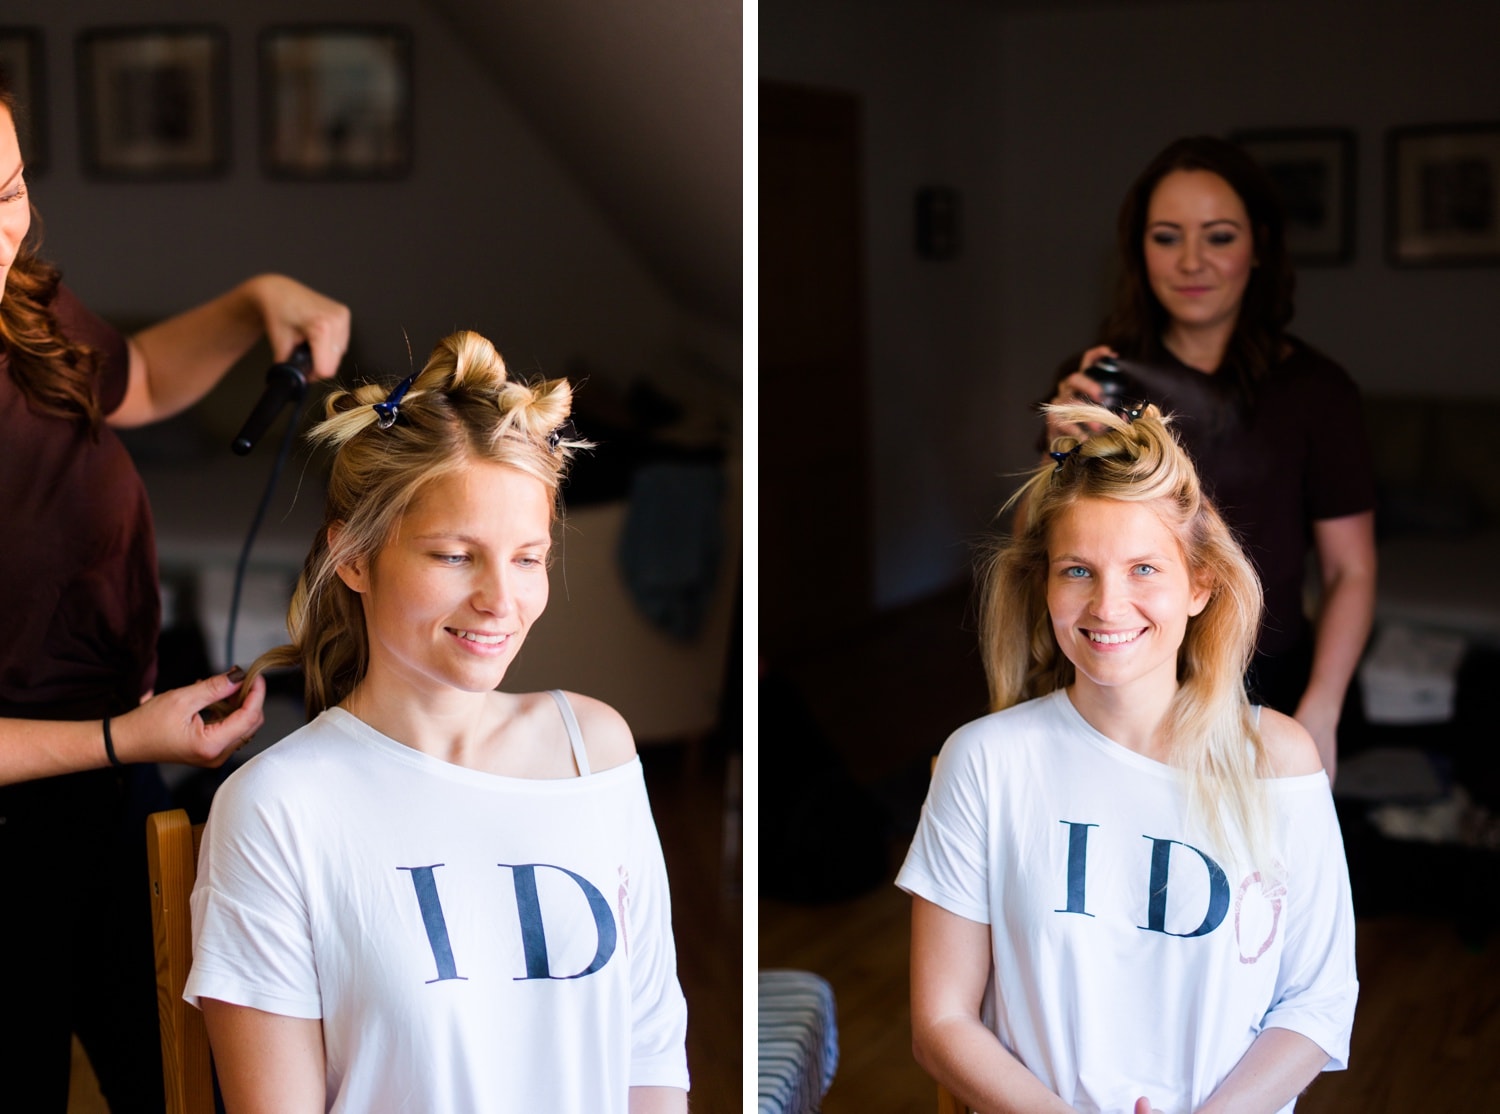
pixel 169 727
pixel 1078 387
pixel 1143 1106
pixel 293 313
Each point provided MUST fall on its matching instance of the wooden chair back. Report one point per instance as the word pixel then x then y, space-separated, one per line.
pixel 172 859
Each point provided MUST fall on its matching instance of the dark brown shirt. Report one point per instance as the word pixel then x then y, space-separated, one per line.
pixel 79 607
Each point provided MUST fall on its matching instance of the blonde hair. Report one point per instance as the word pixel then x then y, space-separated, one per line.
pixel 1209 730
pixel 459 409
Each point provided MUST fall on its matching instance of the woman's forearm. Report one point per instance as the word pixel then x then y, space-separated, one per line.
pixel 1274 1070
pixel 963 1055
pixel 32 749
pixel 658 1100
pixel 1346 554
pixel 169 727
pixel 175 362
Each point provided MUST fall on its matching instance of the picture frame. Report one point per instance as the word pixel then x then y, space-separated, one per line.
pixel 153 102
pixel 21 71
pixel 336 102
pixel 1443 204
pixel 1312 171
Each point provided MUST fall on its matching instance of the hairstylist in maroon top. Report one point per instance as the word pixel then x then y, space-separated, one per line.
pixel 79 613
pixel 1274 427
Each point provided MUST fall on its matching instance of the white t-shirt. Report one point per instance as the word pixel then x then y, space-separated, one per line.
pixel 1129 959
pixel 471 942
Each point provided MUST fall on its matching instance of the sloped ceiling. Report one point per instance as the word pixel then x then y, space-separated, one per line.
pixel 642 100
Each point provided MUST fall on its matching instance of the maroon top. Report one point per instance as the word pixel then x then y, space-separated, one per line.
pixel 79 609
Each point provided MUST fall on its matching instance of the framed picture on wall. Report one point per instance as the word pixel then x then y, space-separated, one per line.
pixel 336 102
pixel 152 102
pixel 21 73
pixel 1443 182
pixel 1312 170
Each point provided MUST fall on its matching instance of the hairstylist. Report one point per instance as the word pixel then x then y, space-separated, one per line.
pixel 79 614
pixel 1276 429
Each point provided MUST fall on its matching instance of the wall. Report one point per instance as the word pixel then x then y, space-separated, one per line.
pixel 929 97
pixel 1118 85
pixel 488 232
pixel 1041 115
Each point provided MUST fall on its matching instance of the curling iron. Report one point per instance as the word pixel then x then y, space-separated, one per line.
pixel 286 382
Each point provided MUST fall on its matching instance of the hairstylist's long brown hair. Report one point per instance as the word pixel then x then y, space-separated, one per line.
pixel 53 374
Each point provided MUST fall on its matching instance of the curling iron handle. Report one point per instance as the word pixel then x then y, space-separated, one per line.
pixel 285 382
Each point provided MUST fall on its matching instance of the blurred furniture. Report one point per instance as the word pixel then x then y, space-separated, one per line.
pixel 172 861
pixel 797 1041
pixel 947 1104
pixel 1438 510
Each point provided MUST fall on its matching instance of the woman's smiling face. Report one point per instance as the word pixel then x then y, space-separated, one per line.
pixel 1199 249
pixel 449 599
pixel 1119 594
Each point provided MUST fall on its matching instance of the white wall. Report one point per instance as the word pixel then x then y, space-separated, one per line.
pixel 488 232
pixel 1041 116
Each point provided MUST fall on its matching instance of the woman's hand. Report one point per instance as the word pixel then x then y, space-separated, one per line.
pixel 1143 1106
pixel 1079 387
pixel 170 726
pixel 292 313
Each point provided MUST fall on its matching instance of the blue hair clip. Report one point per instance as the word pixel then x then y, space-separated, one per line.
pixel 557 436
pixel 1062 458
pixel 388 411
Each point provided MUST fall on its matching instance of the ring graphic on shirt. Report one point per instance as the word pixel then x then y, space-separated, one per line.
pixel 1250 916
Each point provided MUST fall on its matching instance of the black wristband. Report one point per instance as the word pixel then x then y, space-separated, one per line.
pixel 109 746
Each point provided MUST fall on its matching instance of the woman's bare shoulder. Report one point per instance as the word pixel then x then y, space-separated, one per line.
pixel 606 735
pixel 1289 747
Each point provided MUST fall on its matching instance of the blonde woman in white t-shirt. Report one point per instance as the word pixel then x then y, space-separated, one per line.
pixel 438 895
pixel 1129 890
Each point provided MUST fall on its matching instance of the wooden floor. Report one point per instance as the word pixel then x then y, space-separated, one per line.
pixel 688 795
pixel 1427 1029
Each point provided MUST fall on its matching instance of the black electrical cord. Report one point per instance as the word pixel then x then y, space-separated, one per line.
pixel 260 514
pixel 285 382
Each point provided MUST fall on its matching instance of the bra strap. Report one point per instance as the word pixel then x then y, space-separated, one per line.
pixel 575 736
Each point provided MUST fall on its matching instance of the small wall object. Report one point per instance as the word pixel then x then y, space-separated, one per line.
pixel 1443 202
pixel 336 102
pixel 152 102
pixel 937 222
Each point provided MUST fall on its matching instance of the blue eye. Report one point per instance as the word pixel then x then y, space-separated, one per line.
pixel 1146 570
pixel 1075 572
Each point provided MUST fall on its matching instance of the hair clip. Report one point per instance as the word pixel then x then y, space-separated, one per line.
pixel 1132 412
pixel 1062 458
pixel 557 436
pixel 388 411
